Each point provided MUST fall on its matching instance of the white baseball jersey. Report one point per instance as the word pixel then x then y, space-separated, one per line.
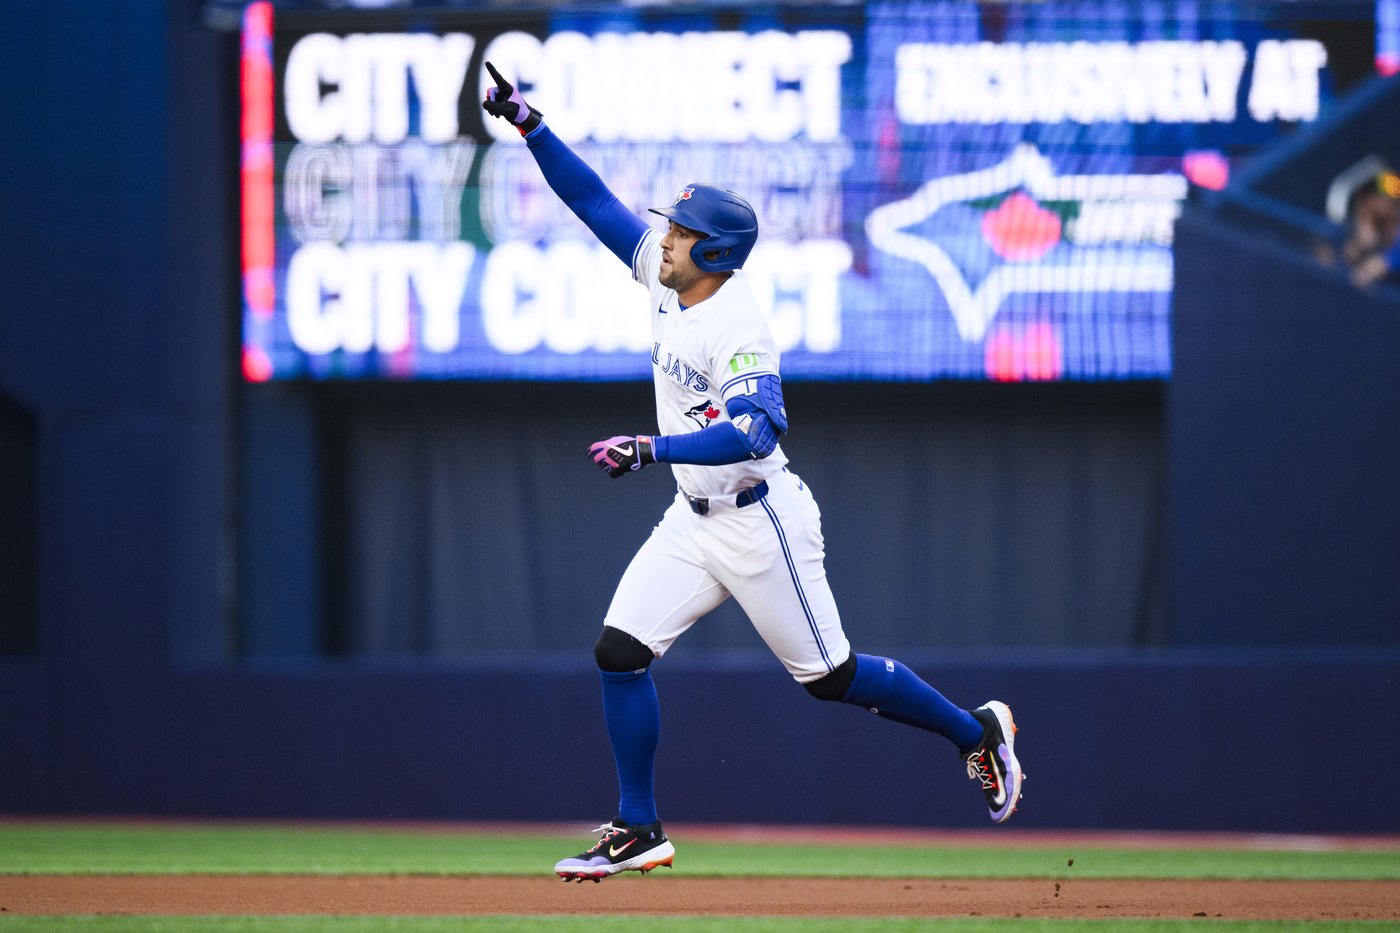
pixel 768 554
pixel 700 358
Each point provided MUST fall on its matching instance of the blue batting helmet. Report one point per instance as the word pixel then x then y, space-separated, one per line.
pixel 729 225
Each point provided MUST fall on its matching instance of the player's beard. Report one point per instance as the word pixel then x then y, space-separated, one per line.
pixel 678 279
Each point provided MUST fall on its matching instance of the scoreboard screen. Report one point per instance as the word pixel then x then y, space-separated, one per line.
pixel 945 190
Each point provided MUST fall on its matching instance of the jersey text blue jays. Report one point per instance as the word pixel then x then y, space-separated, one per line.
pixel 679 370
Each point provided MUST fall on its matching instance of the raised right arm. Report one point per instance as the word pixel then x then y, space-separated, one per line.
pixel 583 191
pixel 577 185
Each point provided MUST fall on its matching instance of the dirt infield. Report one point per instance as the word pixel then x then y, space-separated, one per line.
pixel 664 893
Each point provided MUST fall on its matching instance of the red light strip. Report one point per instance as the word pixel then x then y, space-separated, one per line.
pixel 259 289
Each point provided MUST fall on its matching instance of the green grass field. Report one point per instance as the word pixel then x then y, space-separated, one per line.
pixel 61 848
pixel 84 849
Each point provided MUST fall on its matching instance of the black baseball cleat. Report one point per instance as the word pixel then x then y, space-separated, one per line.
pixel 993 761
pixel 621 848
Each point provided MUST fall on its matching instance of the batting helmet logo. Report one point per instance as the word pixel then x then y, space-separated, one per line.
pixel 728 225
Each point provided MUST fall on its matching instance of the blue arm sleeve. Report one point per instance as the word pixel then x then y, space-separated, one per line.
pixel 583 191
pixel 713 446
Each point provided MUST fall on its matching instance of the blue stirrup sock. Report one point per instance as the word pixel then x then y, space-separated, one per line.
pixel 891 690
pixel 633 716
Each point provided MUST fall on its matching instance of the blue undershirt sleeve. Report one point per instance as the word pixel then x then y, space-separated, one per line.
pixel 713 446
pixel 586 195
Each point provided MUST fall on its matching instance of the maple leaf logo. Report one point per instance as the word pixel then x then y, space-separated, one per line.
pixel 703 413
pixel 1021 230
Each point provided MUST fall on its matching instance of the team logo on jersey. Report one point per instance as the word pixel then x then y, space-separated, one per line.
pixel 703 413
pixel 684 195
pixel 679 370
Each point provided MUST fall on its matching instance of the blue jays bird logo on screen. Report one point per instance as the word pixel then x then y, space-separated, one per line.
pixel 1018 238
pixel 684 195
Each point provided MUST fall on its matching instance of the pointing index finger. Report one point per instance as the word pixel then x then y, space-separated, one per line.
pixel 502 83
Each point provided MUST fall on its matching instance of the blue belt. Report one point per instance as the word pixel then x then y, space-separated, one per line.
pixel 701 506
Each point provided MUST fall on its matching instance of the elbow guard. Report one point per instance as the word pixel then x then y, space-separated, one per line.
pixel 760 415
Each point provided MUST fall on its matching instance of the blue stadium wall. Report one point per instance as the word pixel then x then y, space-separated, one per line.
pixel 1269 618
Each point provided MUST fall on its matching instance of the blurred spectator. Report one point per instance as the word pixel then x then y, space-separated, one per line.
pixel 1371 248
pixel 1365 199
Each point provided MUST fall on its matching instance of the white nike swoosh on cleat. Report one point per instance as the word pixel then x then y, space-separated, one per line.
pixel 1000 797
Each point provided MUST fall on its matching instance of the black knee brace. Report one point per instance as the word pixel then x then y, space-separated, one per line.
pixel 834 685
pixel 619 652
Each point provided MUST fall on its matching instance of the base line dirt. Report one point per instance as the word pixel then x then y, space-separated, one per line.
pixel 673 896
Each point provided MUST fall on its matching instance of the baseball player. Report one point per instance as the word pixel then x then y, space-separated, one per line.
pixel 741 524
